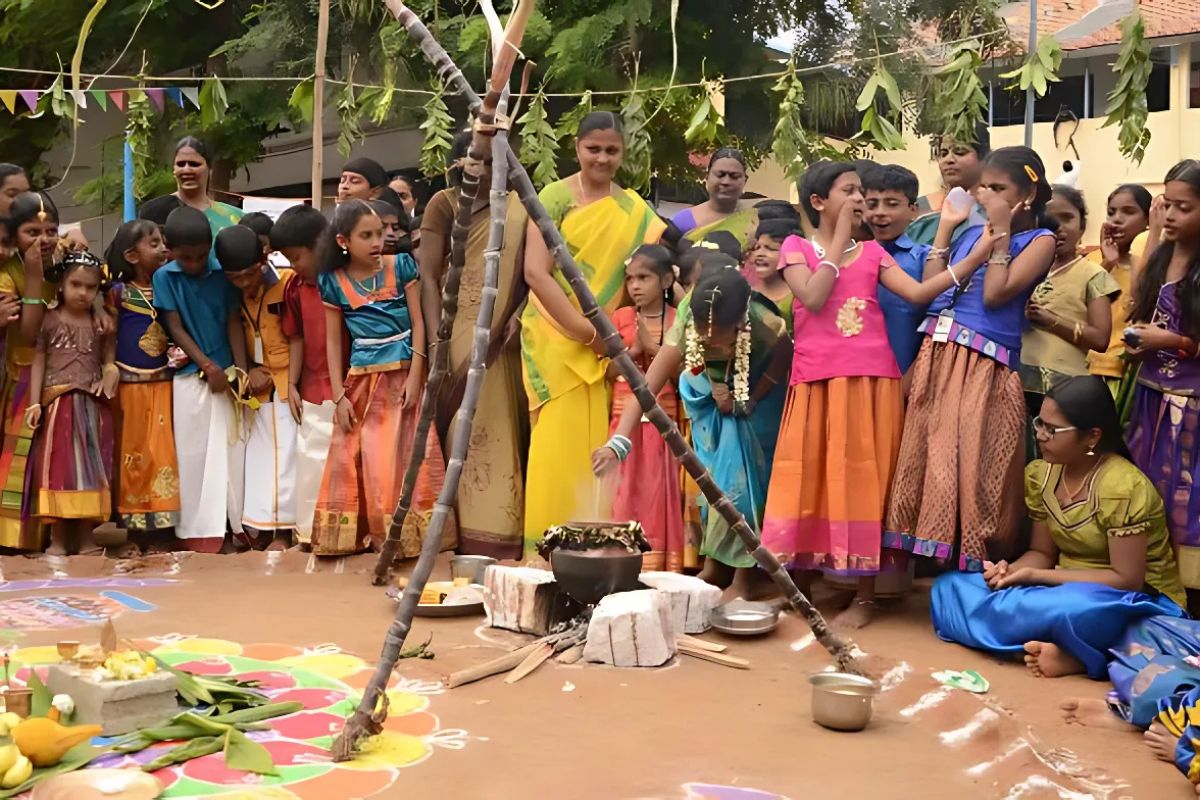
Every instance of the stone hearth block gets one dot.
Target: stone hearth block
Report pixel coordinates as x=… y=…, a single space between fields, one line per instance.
x=119 y=706
x=692 y=600
x=525 y=599
x=632 y=629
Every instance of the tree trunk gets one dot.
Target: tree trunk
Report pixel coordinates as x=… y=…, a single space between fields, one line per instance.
x=367 y=718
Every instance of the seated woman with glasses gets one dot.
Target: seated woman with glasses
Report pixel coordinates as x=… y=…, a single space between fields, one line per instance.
x=1100 y=559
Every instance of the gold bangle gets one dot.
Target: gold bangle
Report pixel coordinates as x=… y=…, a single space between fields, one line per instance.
x=340 y=398
x=592 y=340
x=418 y=354
x=1078 y=332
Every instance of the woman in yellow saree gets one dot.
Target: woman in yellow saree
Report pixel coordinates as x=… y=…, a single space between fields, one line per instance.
x=561 y=356
x=725 y=182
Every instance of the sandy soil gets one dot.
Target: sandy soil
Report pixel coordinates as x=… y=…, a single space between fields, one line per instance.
x=583 y=731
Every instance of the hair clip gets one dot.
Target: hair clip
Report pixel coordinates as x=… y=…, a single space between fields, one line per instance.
x=1033 y=176
x=707 y=245
x=41 y=215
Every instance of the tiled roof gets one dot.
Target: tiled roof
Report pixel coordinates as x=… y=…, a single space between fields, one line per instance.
x=1066 y=20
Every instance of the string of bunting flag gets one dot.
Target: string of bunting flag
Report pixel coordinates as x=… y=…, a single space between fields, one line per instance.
x=159 y=97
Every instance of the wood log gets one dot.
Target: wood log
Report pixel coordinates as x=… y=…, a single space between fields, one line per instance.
x=631 y=629
x=525 y=600
x=489 y=668
x=692 y=600
x=700 y=644
x=717 y=658
x=531 y=662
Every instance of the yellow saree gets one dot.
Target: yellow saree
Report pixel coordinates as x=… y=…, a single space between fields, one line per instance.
x=564 y=380
x=742 y=224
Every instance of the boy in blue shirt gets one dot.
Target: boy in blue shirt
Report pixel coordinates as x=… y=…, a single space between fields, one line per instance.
x=200 y=309
x=890 y=192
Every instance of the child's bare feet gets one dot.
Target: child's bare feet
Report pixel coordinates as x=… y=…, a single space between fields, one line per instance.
x=1160 y=741
x=858 y=615
x=1092 y=712
x=1048 y=660
x=279 y=543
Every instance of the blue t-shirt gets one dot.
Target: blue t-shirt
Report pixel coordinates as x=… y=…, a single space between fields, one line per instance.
x=1003 y=324
x=376 y=314
x=204 y=303
x=900 y=316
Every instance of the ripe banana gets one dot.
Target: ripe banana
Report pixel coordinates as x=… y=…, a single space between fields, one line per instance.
x=18 y=773
x=8 y=721
x=8 y=756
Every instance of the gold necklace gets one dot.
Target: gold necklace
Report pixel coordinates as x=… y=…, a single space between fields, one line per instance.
x=1071 y=495
x=583 y=191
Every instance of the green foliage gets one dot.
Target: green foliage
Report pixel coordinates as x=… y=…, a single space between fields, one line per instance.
x=213 y=102
x=1039 y=69
x=959 y=101
x=539 y=145
x=569 y=122
x=637 y=164
x=438 y=129
x=139 y=132
x=1127 y=101
x=349 y=116
x=301 y=100
x=876 y=128
x=707 y=124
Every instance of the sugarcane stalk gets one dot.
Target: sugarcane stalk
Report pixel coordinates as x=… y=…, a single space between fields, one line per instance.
x=491 y=122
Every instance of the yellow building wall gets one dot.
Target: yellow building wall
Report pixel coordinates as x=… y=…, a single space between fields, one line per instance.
x=1175 y=135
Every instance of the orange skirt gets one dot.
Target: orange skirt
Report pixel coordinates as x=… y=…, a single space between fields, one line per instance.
x=365 y=473
x=833 y=470
x=147 y=473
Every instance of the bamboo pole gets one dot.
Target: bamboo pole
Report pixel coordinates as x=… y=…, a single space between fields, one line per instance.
x=318 y=120
x=492 y=122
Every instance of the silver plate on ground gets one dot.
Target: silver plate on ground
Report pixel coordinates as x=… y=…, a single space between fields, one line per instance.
x=745 y=618
x=438 y=610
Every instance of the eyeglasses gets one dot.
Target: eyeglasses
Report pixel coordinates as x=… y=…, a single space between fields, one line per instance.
x=1046 y=430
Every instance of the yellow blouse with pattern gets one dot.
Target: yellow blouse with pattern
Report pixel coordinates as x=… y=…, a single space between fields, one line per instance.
x=1121 y=501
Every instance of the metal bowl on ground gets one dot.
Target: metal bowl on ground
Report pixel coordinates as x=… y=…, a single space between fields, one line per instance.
x=589 y=575
x=745 y=618
x=470 y=567
x=842 y=702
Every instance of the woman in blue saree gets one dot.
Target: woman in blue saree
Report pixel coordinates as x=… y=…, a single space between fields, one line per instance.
x=731 y=353
x=1100 y=558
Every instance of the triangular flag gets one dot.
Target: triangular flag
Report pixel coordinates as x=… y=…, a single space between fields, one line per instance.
x=80 y=98
x=118 y=97
x=9 y=98
x=192 y=93
x=175 y=95
x=30 y=96
x=100 y=97
x=156 y=97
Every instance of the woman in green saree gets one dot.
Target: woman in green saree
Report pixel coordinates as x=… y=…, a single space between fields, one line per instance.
x=725 y=182
x=191 y=165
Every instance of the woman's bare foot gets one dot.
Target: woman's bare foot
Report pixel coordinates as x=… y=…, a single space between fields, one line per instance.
x=716 y=573
x=1093 y=713
x=128 y=550
x=1047 y=660
x=858 y=615
x=1161 y=742
x=56 y=548
x=279 y=543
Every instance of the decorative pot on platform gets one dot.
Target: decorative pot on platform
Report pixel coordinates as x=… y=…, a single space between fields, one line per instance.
x=593 y=559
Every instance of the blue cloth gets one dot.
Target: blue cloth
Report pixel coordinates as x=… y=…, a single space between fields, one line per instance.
x=1084 y=619
x=685 y=220
x=203 y=303
x=376 y=313
x=1002 y=324
x=900 y=316
x=1179 y=714
x=1148 y=667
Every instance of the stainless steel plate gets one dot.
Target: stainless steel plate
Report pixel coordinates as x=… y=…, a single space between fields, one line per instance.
x=743 y=618
x=438 y=610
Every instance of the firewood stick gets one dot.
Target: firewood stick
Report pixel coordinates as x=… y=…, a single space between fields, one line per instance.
x=700 y=644
x=571 y=655
x=494 y=667
x=534 y=660
x=717 y=658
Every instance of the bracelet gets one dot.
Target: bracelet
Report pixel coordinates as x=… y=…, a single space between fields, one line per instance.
x=622 y=446
x=1187 y=348
x=33 y=405
x=339 y=398
x=953 y=277
x=419 y=354
x=939 y=252
x=32 y=301
x=837 y=273
x=1003 y=260
x=592 y=340
x=1078 y=332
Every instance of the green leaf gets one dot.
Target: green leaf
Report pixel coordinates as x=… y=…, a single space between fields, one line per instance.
x=866 y=98
x=1126 y=105
x=247 y=756
x=539 y=142
x=437 y=129
x=40 y=704
x=301 y=100
x=213 y=102
x=890 y=88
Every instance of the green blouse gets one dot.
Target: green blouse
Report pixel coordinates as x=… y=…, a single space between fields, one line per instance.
x=1121 y=501
x=766 y=329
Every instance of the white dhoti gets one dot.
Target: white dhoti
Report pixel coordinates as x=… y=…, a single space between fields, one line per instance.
x=312 y=449
x=271 y=469
x=211 y=466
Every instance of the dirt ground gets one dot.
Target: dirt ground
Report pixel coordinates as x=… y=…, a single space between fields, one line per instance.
x=585 y=731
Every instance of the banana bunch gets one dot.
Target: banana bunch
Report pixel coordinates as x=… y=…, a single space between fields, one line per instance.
x=8 y=721
x=15 y=768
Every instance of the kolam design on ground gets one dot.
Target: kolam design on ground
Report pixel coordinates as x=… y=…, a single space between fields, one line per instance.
x=328 y=683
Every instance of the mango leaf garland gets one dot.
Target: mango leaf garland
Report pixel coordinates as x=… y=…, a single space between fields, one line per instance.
x=539 y=145
x=960 y=103
x=568 y=123
x=793 y=147
x=140 y=125
x=301 y=100
x=1040 y=68
x=213 y=102
x=349 y=117
x=438 y=138
x=876 y=127
x=1127 y=101
x=707 y=123
x=635 y=166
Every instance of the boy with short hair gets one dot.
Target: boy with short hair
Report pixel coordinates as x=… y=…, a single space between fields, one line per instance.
x=269 y=511
x=310 y=394
x=261 y=224
x=890 y=193
x=200 y=310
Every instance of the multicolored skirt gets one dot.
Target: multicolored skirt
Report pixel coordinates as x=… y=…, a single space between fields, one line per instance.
x=959 y=474
x=147 y=471
x=833 y=470
x=69 y=472
x=16 y=531
x=1164 y=439
x=365 y=473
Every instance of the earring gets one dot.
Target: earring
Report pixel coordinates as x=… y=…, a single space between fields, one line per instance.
x=1091 y=451
x=345 y=252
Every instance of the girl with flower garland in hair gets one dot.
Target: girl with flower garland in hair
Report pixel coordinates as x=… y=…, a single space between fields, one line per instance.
x=730 y=352
x=958 y=479
x=1163 y=335
x=841 y=428
x=649 y=488
x=68 y=476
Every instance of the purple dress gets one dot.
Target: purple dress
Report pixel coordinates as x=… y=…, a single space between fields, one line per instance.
x=1164 y=436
